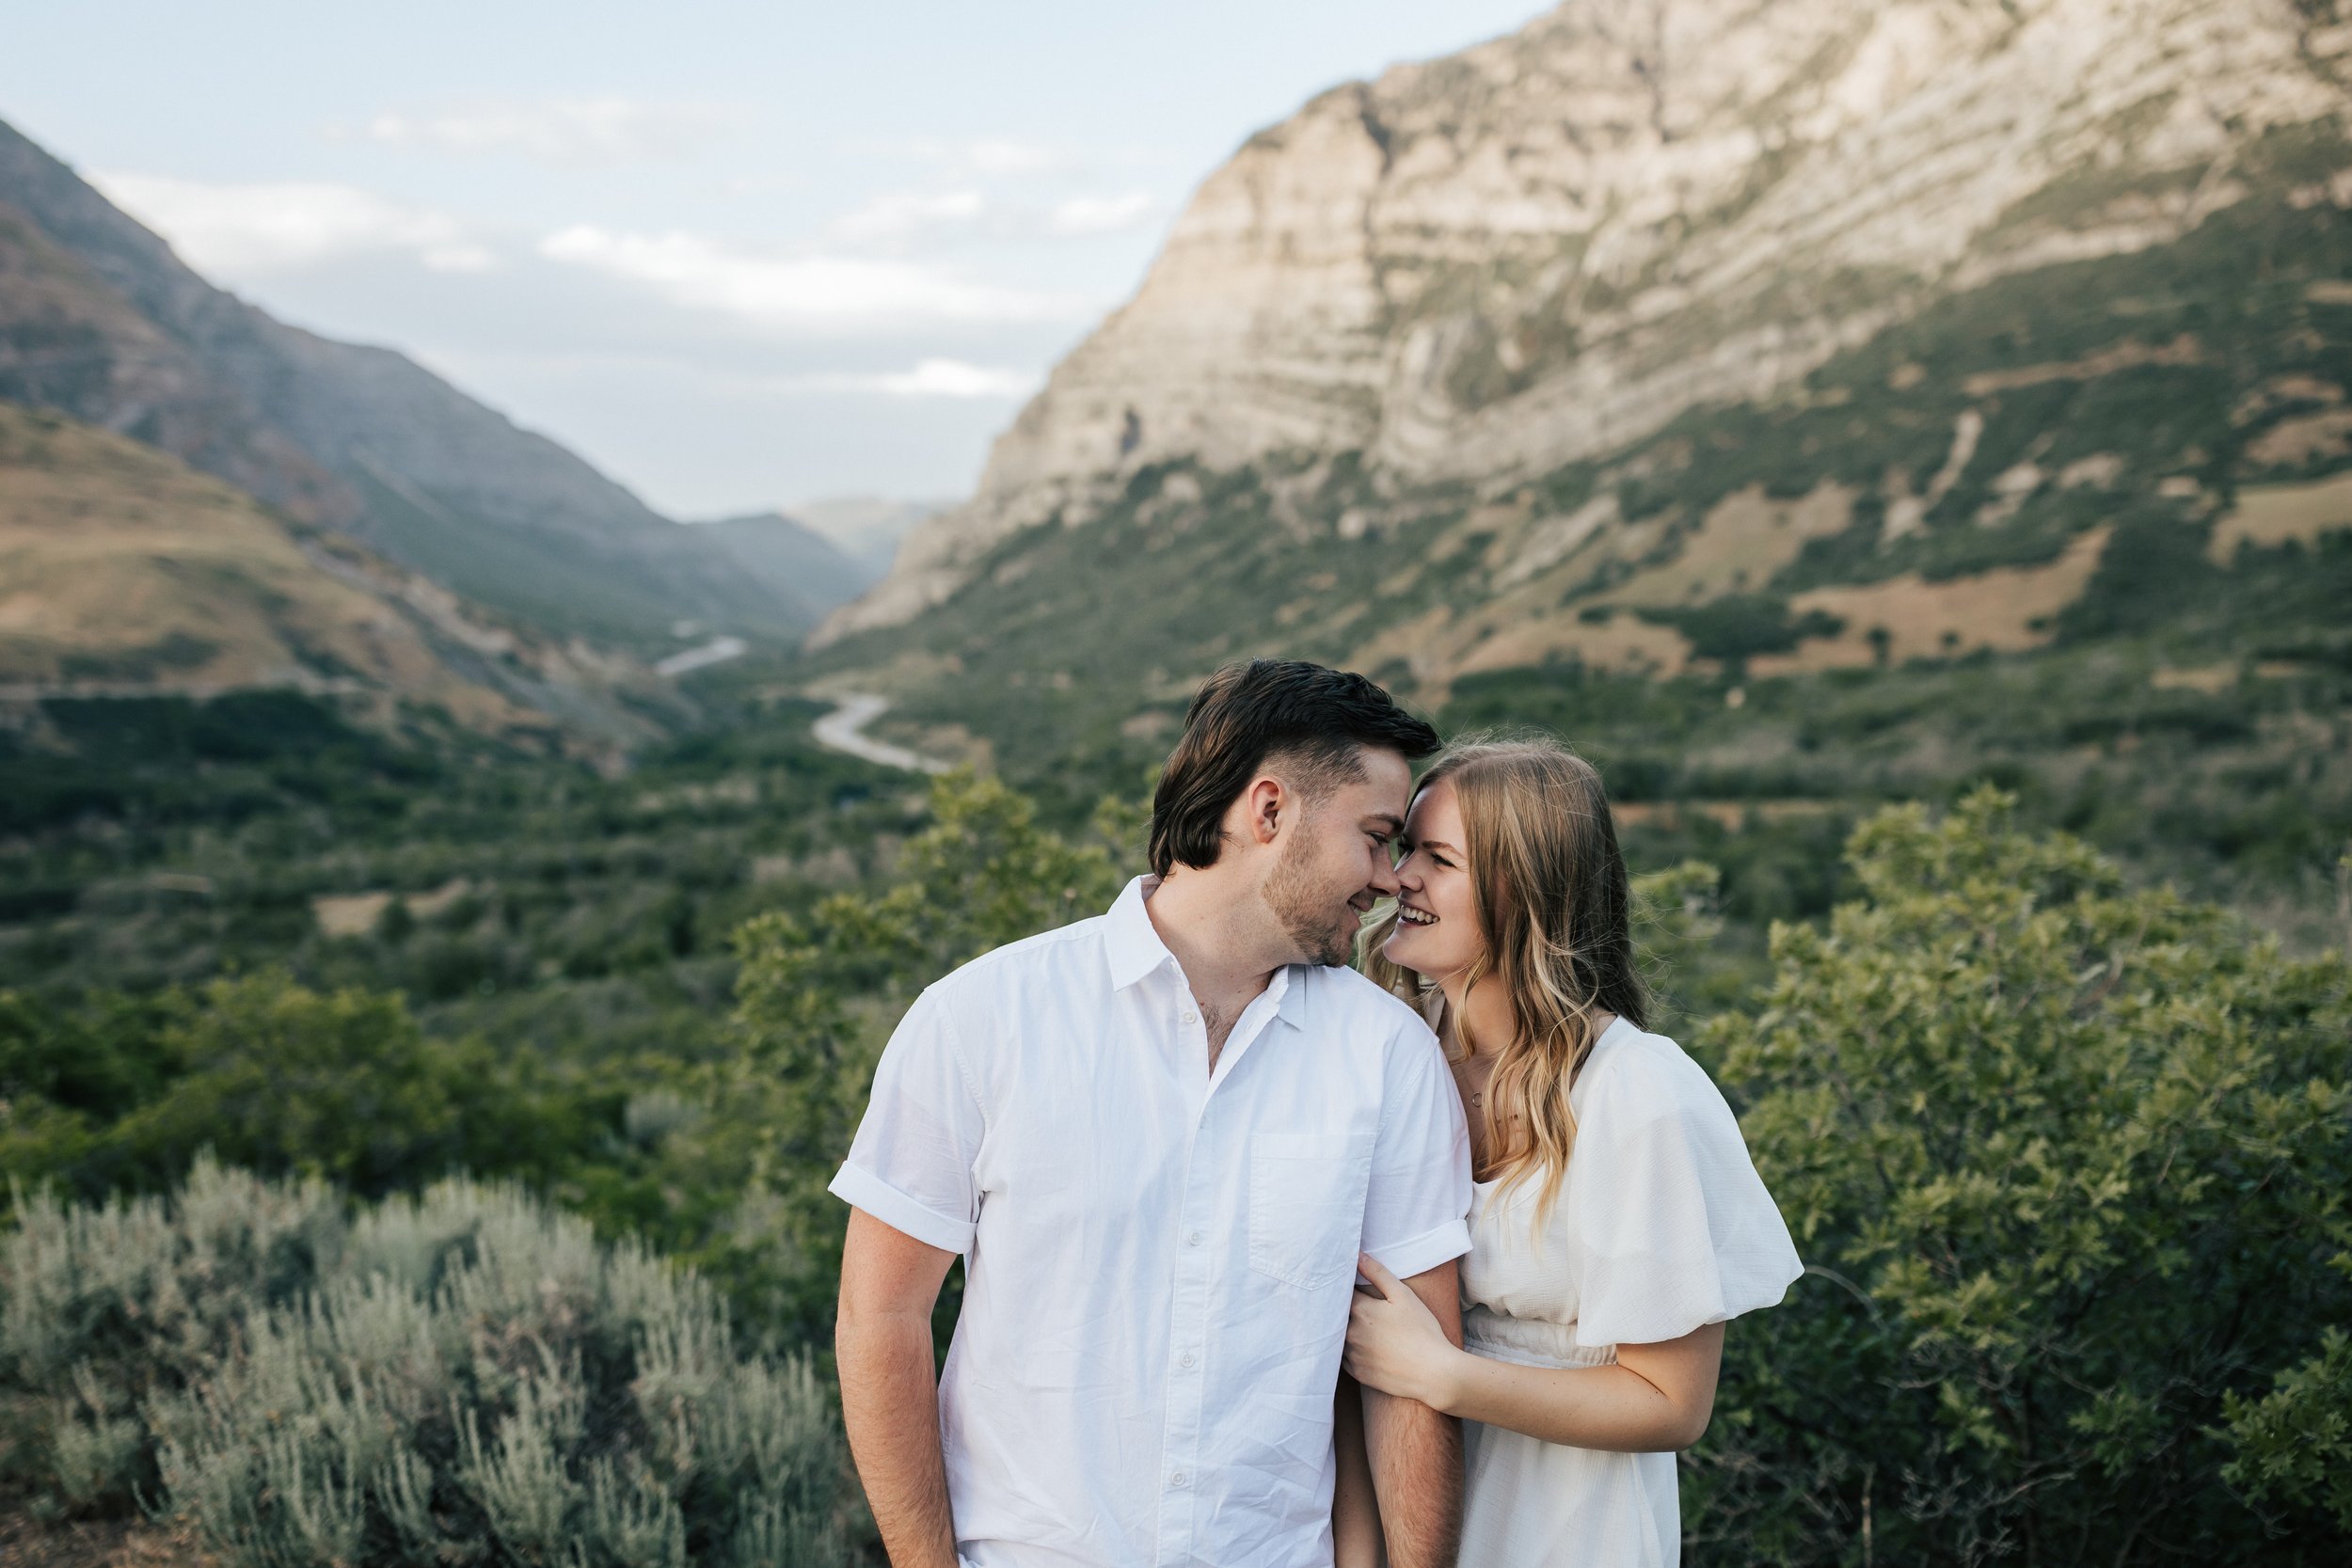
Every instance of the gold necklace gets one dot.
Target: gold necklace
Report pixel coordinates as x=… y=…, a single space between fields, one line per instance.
x=1477 y=1096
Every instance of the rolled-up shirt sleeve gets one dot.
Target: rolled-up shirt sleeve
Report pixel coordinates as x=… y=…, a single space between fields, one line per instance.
x=911 y=1163
x=1417 y=1212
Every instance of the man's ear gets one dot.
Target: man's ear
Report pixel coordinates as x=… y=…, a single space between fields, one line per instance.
x=1263 y=805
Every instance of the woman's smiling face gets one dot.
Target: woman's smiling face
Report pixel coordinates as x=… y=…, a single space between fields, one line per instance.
x=1437 y=929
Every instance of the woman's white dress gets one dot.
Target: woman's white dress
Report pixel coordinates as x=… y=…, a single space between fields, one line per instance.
x=1661 y=1227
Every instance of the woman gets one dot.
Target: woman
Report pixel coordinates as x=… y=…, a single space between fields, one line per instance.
x=1616 y=1222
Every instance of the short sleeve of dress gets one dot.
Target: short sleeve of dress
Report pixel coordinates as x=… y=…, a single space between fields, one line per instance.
x=1673 y=1227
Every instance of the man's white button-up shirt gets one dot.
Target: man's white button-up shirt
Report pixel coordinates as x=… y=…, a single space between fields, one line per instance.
x=1158 y=1259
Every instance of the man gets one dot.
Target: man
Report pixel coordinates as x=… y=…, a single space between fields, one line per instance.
x=1159 y=1138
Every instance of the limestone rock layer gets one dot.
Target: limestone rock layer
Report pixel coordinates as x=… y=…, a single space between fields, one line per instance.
x=1482 y=268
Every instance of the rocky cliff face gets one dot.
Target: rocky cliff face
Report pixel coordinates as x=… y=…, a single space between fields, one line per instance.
x=1543 y=250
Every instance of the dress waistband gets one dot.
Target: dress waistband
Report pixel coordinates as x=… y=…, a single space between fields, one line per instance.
x=1528 y=1341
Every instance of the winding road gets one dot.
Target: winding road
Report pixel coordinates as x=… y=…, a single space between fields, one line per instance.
x=842 y=729
x=717 y=651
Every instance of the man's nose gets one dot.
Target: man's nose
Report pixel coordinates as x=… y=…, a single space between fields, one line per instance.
x=1384 y=877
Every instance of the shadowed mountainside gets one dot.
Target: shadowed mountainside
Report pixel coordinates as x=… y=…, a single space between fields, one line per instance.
x=100 y=321
x=805 y=572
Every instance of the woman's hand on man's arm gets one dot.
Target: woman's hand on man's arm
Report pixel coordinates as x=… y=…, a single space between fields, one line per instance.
x=1656 y=1398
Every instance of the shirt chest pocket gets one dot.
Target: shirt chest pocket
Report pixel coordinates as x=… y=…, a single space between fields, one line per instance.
x=1307 y=1204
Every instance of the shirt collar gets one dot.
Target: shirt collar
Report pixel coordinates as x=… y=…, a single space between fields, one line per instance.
x=1133 y=947
x=1290 y=1004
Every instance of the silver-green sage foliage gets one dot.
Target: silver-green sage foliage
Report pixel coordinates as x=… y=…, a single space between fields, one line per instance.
x=459 y=1376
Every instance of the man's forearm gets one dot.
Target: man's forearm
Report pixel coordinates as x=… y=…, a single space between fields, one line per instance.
x=1417 y=1472
x=1355 y=1506
x=890 y=1406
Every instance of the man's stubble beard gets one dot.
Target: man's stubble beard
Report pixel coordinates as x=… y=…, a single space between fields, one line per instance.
x=1304 y=910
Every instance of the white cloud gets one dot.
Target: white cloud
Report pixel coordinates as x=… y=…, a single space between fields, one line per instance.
x=899 y=219
x=1006 y=155
x=1101 y=214
x=954 y=378
x=1017 y=157
x=806 y=292
x=586 y=132
x=994 y=156
x=242 y=230
x=901 y=214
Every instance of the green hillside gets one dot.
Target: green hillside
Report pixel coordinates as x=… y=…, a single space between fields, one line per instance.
x=2081 y=529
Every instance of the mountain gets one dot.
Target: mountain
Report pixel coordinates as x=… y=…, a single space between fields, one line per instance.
x=100 y=321
x=1703 y=335
x=71 y=343
x=124 y=572
x=867 y=527
x=806 y=572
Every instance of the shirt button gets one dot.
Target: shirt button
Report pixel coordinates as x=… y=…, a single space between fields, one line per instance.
x=1188 y=1018
x=1187 y=1359
x=1192 y=1238
x=1179 y=1478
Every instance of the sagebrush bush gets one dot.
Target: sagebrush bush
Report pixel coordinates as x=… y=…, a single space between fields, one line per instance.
x=465 y=1376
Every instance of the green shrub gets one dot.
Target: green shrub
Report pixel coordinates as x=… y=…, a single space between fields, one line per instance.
x=464 y=1376
x=2069 y=1165
x=120 y=1093
x=2295 y=1444
x=1739 y=625
x=2153 y=570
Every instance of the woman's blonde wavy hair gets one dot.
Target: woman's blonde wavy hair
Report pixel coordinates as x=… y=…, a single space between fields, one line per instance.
x=1554 y=913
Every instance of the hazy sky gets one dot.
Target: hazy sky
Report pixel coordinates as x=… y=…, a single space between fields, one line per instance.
x=736 y=254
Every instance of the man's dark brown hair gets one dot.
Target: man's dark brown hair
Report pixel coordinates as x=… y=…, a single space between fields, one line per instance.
x=1313 y=720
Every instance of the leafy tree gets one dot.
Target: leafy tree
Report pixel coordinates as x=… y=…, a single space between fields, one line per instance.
x=123 y=1093
x=2294 y=1445
x=2069 y=1164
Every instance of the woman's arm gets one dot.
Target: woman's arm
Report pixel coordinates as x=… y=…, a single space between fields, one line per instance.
x=1355 y=1509
x=1656 y=1398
